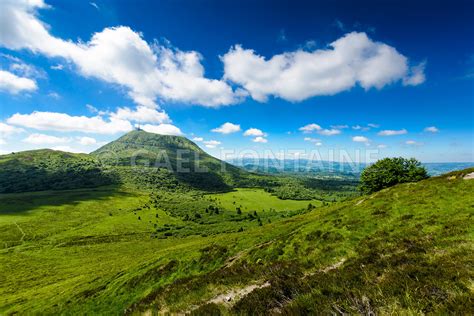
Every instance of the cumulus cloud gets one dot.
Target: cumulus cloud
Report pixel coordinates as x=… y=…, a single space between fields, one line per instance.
x=329 y=132
x=6 y=129
x=14 y=84
x=163 y=129
x=198 y=139
x=315 y=141
x=431 y=129
x=40 y=139
x=211 y=143
x=381 y=146
x=69 y=149
x=360 y=139
x=413 y=143
x=390 y=132
x=260 y=139
x=120 y=56
x=86 y=141
x=353 y=59
x=141 y=114
x=66 y=123
x=54 y=95
x=227 y=128
x=416 y=75
x=310 y=128
x=254 y=132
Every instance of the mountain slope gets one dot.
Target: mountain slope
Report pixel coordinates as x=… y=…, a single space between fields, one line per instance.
x=153 y=158
x=39 y=170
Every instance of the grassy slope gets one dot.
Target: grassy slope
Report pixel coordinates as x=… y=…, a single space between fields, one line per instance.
x=47 y=169
x=408 y=248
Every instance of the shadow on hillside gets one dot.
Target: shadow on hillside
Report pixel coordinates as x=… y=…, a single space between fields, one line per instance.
x=26 y=178
x=14 y=203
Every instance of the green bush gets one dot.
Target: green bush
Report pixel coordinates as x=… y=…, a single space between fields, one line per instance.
x=390 y=171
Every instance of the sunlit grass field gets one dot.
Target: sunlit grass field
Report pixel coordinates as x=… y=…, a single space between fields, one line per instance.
x=249 y=199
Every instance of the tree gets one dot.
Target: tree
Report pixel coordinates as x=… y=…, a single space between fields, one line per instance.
x=390 y=171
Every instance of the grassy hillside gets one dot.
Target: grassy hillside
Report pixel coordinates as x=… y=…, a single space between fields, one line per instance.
x=407 y=249
x=40 y=170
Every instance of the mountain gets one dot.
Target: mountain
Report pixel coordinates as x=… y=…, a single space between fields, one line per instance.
x=148 y=158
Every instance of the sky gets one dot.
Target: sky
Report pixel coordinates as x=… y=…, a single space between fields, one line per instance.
x=372 y=78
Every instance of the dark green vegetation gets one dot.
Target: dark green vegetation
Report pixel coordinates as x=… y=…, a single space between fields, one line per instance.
x=139 y=246
x=390 y=171
x=51 y=170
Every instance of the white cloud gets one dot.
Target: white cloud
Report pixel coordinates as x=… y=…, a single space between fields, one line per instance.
x=254 y=132
x=318 y=129
x=94 y=5
x=120 y=56
x=373 y=125
x=390 y=132
x=163 y=129
x=295 y=76
x=416 y=75
x=310 y=128
x=329 y=132
x=69 y=149
x=2 y=142
x=39 y=139
x=381 y=146
x=198 y=139
x=413 y=143
x=86 y=141
x=6 y=129
x=67 y=123
x=13 y=84
x=260 y=139
x=315 y=141
x=227 y=128
x=141 y=114
x=54 y=95
x=431 y=129
x=360 y=139
x=211 y=143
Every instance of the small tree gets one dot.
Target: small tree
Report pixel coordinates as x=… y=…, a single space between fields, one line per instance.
x=390 y=171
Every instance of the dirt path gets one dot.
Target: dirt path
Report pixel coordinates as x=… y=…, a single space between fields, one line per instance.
x=235 y=295
x=469 y=176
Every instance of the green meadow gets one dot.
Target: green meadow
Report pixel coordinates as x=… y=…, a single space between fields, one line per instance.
x=114 y=250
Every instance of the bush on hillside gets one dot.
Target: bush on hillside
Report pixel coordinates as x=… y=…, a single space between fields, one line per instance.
x=390 y=171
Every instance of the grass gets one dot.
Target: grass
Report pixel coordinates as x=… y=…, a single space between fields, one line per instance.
x=110 y=250
x=249 y=199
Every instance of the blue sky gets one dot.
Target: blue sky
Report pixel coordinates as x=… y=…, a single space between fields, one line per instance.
x=385 y=78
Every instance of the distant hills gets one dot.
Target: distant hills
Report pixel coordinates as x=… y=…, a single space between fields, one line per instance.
x=330 y=169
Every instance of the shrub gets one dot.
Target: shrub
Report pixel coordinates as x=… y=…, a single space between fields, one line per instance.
x=390 y=171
